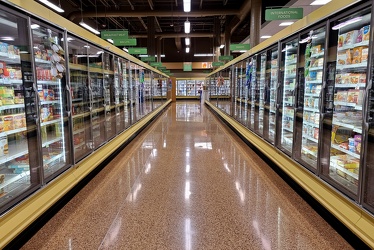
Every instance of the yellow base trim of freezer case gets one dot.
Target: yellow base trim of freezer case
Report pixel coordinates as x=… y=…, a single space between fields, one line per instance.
x=350 y=214
x=20 y=217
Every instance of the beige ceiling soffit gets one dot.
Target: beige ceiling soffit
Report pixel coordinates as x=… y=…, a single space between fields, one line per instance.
x=245 y=9
x=198 y=13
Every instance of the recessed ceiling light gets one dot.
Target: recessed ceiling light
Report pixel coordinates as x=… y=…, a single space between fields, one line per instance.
x=265 y=37
x=286 y=23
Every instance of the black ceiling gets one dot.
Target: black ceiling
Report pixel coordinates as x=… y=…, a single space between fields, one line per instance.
x=169 y=20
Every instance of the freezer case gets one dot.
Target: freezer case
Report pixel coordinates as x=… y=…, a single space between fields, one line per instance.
x=350 y=36
x=288 y=92
x=271 y=95
x=111 y=96
x=19 y=167
x=260 y=93
x=80 y=98
x=50 y=70
x=312 y=47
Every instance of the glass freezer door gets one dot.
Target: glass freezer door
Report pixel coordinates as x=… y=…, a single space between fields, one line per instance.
x=97 y=92
x=51 y=84
x=286 y=112
x=261 y=79
x=271 y=95
x=350 y=36
x=312 y=47
x=110 y=96
x=80 y=96
x=19 y=167
x=251 y=84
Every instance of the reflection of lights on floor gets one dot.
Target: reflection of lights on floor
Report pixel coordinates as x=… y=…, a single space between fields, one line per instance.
x=148 y=168
x=132 y=196
x=227 y=167
x=188 y=167
x=154 y=152
x=240 y=191
x=187 y=232
x=265 y=242
x=187 y=191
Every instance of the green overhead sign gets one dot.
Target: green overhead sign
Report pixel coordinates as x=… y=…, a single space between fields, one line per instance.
x=187 y=66
x=148 y=59
x=137 y=51
x=161 y=68
x=166 y=71
x=156 y=64
x=217 y=64
x=124 y=41
x=240 y=46
x=114 y=34
x=283 y=14
x=226 y=58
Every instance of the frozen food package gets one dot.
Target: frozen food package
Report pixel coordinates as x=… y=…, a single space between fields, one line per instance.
x=350 y=37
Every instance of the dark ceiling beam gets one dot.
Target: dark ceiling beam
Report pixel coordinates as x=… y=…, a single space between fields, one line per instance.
x=176 y=3
x=245 y=9
x=176 y=35
x=158 y=25
x=143 y=23
x=225 y=2
x=198 y=13
x=201 y=4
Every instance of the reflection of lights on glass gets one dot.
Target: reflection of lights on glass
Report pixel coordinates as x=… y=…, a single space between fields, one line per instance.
x=188 y=168
x=227 y=167
x=187 y=191
x=188 y=232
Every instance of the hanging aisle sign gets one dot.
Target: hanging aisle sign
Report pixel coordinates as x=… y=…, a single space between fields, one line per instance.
x=137 y=51
x=148 y=59
x=187 y=66
x=114 y=34
x=124 y=41
x=240 y=46
x=284 y=14
x=226 y=58
x=217 y=64
x=156 y=64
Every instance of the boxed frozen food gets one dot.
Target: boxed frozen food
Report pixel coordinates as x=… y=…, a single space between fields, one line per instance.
x=364 y=54
x=2 y=178
x=341 y=39
x=3 y=146
x=350 y=37
x=19 y=121
x=357 y=55
x=363 y=34
x=316 y=49
x=8 y=122
x=341 y=96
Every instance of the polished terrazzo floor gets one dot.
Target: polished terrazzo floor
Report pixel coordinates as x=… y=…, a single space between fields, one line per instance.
x=187 y=182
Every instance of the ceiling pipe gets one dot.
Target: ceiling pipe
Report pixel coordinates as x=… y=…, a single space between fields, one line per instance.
x=198 y=13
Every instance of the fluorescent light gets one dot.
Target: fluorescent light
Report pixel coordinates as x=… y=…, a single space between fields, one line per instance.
x=187 y=41
x=83 y=24
x=201 y=55
x=125 y=49
x=222 y=46
x=99 y=52
x=187 y=27
x=348 y=22
x=147 y=55
x=86 y=46
x=286 y=23
x=320 y=2
x=34 y=26
x=187 y=5
x=265 y=36
x=68 y=39
x=187 y=49
x=242 y=51
x=110 y=40
x=51 y=5
x=7 y=38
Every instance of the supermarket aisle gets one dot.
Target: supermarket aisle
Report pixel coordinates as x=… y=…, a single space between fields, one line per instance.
x=187 y=182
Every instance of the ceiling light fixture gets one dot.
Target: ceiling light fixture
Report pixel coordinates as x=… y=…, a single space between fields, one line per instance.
x=187 y=5
x=187 y=41
x=187 y=27
x=125 y=49
x=265 y=36
x=34 y=26
x=83 y=24
x=110 y=40
x=320 y=2
x=348 y=22
x=222 y=46
x=148 y=55
x=187 y=49
x=286 y=23
x=202 y=55
x=53 y=6
x=7 y=38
